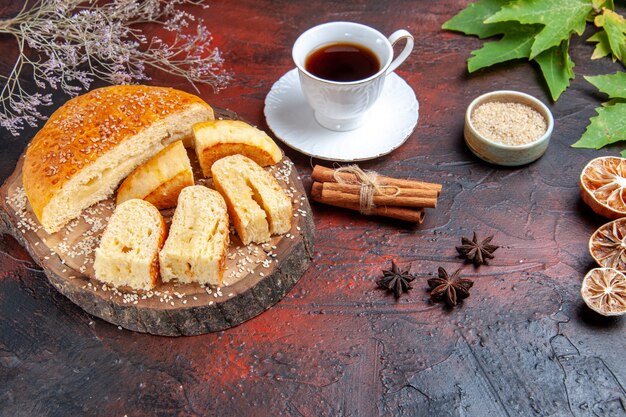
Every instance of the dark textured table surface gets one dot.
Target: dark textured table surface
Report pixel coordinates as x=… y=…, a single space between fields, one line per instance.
x=523 y=344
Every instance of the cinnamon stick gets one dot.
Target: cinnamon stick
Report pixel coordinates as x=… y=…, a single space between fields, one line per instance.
x=330 y=195
x=324 y=174
x=401 y=192
x=413 y=215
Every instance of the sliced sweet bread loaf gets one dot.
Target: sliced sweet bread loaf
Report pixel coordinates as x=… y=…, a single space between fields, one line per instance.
x=257 y=204
x=215 y=139
x=197 y=245
x=160 y=180
x=128 y=254
x=92 y=142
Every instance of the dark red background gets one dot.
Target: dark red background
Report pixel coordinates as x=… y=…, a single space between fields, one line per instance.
x=523 y=344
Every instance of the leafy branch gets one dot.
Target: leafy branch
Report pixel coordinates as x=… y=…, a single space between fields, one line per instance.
x=540 y=31
x=67 y=44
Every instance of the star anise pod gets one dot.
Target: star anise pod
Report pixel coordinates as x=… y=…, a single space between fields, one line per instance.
x=475 y=251
x=451 y=289
x=395 y=280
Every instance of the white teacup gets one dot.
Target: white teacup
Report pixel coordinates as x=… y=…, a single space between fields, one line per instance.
x=338 y=105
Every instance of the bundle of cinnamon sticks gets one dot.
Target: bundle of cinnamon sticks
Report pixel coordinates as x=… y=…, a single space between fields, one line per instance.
x=395 y=198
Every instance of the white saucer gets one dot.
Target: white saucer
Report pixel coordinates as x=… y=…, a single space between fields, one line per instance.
x=389 y=123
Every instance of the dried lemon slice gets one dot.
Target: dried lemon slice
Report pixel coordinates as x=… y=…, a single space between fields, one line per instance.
x=604 y=291
x=607 y=245
x=603 y=186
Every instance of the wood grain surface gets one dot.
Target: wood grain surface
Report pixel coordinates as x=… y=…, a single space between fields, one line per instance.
x=523 y=343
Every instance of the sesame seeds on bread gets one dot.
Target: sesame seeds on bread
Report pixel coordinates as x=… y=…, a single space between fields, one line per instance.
x=257 y=205
x=129 y=248
x=92 y=142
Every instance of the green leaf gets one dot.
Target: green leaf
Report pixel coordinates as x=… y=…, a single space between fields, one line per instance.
x=471 y=19
x=515 y=43
x=623 y=154
x=609 y=126
x=615 y=28
x=557 y=68
x=602 y=48
x=599 y=4
x=559 y=17
x=614 y=85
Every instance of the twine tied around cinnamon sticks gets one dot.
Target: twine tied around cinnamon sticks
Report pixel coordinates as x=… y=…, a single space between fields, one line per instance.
x=352 y=188
x=368 y=180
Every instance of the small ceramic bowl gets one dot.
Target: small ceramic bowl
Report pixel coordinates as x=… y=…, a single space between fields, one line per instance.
x=501 y=154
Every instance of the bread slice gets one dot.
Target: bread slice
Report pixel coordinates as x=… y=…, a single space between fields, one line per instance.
x=216 y=139
x=128 y=254
x=160 y=180
x=92 y=142
x=197 y=245
x=257 y=204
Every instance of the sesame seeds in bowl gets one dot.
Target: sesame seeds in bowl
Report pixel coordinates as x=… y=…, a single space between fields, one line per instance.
x=508 y=128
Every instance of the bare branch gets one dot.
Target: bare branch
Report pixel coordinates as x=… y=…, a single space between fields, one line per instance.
x=70 y=43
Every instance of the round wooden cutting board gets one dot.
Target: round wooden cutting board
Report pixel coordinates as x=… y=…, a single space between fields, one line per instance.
x=256 y=277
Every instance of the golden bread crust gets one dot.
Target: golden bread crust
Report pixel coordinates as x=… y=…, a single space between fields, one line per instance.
x=212 y=154
x=233 y=215
x=166 y=196
x=155 y=270
x=257 y=204
x=216 y=139
x=87 y=126
x=161 y=179
x=197 y=245
x=123 y=257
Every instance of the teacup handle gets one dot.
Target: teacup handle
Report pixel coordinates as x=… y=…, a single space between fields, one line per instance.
x=393 y=39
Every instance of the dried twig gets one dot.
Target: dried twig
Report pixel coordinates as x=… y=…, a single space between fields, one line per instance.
x=69 y=43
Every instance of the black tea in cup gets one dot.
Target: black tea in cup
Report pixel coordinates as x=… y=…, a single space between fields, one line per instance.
x=342 y=62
